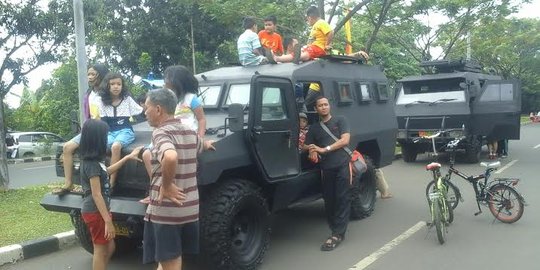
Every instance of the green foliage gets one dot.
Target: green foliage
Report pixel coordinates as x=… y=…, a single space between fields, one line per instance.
x=24 y=219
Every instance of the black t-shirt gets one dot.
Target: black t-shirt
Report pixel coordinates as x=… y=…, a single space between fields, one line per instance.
x=90 y=169
x=316 y=135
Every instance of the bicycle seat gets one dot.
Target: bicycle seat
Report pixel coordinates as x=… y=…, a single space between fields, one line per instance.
x=433 y=166
x=495 y=164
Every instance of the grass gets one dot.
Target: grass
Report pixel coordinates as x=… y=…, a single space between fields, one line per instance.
x=524 y=119
x=22 y=218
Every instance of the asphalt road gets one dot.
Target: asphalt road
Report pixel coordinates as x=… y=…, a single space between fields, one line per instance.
x=32 y=173
x=394 y=237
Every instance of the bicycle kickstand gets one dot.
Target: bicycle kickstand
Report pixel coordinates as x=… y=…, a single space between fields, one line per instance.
x=479 y=209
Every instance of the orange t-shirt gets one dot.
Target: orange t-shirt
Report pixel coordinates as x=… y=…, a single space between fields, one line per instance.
x=271 y=41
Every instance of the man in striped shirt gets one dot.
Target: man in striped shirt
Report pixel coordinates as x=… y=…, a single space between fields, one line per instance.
x=171 y=221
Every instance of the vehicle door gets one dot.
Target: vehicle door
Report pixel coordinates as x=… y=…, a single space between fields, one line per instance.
x=497 y=111
x=24 y=145
x=39 y=144
x=273 y=127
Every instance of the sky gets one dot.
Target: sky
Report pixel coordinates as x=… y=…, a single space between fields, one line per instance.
x=44 y=72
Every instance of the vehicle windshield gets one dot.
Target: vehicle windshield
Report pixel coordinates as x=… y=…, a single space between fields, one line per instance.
x=209 y=95
x=238 y=93
x=429 y=91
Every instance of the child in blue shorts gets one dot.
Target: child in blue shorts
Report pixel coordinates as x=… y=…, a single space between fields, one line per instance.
x=116 y=110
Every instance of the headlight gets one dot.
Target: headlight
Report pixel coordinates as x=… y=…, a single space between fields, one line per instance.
x=402 y=134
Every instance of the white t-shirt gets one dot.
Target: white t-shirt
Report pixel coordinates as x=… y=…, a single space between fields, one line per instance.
x=94 y=104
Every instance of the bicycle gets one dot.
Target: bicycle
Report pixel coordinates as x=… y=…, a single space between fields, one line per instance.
x=505 y=203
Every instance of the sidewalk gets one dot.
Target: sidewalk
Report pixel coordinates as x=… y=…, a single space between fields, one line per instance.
x=38 y=247
x=34 y=159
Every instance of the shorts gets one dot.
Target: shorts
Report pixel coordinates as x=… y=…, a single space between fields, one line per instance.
x=314 y=51
x=96 y=226
x=163 y=242
x=124 y=136
x=76 y=139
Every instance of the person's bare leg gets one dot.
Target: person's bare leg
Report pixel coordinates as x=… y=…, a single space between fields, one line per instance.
x=286 y=58
x=99 y=260
x=382 y=185
x=173 y=264
x=116 y=150
x=111 y=247
x=68 y=150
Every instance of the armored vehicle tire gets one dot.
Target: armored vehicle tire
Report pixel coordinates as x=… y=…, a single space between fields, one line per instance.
x=409 y=152
x=235 y=226
x=81 y=231
x=472 y=150
x=123 y=244
x=364 y=193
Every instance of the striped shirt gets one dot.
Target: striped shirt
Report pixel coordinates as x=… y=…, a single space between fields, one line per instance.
x=173 y=135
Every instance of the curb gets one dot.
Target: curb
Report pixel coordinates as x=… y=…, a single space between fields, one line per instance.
x=38 y=247
x=35 y=159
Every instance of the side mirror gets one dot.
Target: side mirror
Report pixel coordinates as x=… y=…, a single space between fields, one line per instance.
x=236 y=117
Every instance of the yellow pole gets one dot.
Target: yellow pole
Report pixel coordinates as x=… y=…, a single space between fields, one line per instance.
x=348 y=35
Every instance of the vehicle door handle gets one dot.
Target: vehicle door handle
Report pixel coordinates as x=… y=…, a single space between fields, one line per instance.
x=257 y=130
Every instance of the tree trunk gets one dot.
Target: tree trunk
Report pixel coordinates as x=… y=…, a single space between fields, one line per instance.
x=4 y=176
x=320 y=6
x=377 y=27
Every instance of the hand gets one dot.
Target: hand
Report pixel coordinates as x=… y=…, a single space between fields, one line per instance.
x=209 y=145
x=134 y=155
x=171 y=192
x=110 y=232
x=314 y=148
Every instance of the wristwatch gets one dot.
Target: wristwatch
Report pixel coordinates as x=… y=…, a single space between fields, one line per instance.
x=328 y=148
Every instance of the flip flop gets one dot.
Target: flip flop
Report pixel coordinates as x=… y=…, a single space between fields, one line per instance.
x=387 y=196
x=61 y=191
x=297 y=53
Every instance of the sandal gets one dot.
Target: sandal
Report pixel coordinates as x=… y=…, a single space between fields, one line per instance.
x=61 y=191
x=331 y=243
x=297 y=53
x=269 y=56
x=387 y=196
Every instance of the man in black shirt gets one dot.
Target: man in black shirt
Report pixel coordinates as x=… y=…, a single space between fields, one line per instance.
x=335 y=169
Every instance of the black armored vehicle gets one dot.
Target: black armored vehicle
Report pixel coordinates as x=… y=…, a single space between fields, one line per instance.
x=252 y=113
x=458 y=97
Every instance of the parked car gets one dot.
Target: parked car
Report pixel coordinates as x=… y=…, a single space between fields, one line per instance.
x=30 y=144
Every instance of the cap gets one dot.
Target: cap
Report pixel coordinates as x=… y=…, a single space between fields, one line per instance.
x=302 y=115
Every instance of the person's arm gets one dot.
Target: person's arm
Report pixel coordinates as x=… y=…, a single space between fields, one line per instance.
x=95 y=187
x=329 y=38
x=342 y=142
x=132 y=156
x=168 y=188
x=201 y=121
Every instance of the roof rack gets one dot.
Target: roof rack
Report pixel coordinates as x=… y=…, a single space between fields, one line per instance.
x=449 y=66
x=342 y=58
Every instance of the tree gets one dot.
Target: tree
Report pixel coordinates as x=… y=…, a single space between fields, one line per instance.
x=29 y=37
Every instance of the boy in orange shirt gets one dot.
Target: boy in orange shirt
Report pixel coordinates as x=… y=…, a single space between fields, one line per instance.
x=320 y=39
x=269 y=38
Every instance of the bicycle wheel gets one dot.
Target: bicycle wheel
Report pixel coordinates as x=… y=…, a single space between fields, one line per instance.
x=453 y=194
x=438 y=220
x=505 y=203
x=450 y=213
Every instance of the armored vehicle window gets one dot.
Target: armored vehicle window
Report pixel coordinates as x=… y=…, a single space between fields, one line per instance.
x=498 y=92
x=238 y=93
x=382 y=92
x=344 y=93
x=362 y=93
x=432 y=86
x=209 y=95
x=431 y=91
x=272 y=104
